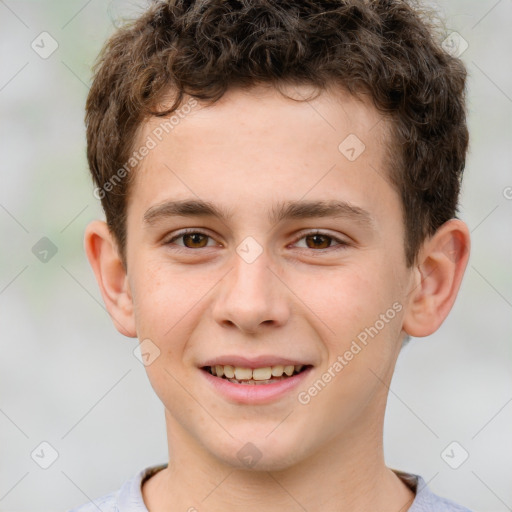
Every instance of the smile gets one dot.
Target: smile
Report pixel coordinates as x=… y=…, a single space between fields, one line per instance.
x=255 y=376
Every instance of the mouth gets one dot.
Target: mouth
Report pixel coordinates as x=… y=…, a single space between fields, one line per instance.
x=255 y=376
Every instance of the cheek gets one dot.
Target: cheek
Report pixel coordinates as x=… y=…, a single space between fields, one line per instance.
x=344 y=300
x=361 y=354
x=358 y=311
x=163 y=311
x=160 y=301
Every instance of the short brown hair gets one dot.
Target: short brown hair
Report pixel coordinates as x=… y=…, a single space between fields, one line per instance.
x=386 y=49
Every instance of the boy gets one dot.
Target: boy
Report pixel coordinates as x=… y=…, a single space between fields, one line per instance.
x=313 y=151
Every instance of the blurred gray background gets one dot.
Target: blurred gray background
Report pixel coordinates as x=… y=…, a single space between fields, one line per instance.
x=68 y=378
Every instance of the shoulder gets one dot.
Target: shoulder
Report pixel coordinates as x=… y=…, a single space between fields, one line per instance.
x=127 y=498
x=426 y=500
x=107 y=503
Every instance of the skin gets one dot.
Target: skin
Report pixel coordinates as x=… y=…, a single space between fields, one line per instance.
x=302 y=297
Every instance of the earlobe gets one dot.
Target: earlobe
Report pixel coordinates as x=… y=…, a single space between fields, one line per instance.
x=438 y=275
x=111 y=276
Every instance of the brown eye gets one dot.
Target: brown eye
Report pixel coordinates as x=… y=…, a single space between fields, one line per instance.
x=195 y=240
x=318 y=241
x=321 y=241
x=191 y=240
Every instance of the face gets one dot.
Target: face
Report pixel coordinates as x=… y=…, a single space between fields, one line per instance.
x=264 y=238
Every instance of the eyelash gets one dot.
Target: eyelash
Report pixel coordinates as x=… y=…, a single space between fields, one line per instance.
x=341 y=243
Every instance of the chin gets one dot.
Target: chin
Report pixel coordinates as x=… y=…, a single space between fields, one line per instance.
x=253 y=451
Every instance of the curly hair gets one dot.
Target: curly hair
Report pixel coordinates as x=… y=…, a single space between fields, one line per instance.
x=388 y=50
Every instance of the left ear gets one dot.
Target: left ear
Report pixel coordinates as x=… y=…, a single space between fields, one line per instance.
x=440 y=267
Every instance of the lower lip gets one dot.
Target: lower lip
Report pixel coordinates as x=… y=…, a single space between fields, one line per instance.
x=255 y=393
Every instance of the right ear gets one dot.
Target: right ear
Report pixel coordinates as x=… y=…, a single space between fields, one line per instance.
x=102 y=253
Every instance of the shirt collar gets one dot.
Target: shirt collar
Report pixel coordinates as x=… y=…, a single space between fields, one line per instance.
x=129 y=498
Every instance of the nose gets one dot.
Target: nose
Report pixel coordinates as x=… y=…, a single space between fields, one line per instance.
x=251 y=297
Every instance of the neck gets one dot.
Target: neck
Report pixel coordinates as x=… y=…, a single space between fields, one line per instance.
x=348 y=475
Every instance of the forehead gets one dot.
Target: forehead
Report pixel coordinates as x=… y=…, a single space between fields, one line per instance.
x=258 y=143
x=262 y=107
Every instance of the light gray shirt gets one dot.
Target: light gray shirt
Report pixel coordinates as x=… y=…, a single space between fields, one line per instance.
x=129 y=497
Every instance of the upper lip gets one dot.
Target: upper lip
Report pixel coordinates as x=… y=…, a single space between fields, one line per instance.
x=253 y=362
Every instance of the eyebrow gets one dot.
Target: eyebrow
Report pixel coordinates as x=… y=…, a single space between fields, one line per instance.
x=282 y=211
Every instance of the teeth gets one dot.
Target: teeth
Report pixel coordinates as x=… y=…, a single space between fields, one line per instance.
x=237 y=373
x=277 y=371
x=262 y=373
x=229 y=371
x=243 y=373
x=289 y=370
